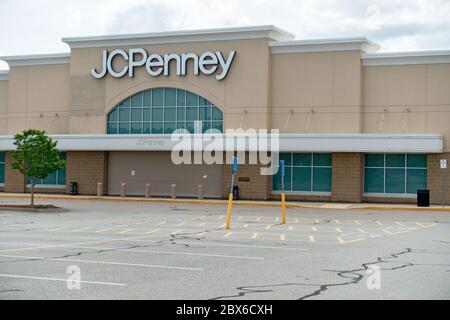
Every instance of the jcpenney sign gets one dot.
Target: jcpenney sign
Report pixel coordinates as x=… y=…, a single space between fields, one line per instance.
x=207 y=63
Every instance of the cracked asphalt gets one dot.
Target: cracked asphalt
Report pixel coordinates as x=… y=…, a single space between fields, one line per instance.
x=167 y=251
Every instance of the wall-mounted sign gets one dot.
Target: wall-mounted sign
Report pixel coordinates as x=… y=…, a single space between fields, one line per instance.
x=207 y=63
x=443 y=164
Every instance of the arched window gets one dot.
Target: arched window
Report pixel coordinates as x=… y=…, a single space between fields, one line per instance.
x=161 y=111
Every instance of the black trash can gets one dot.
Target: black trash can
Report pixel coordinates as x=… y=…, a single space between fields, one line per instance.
x=73 y=188
x=235 y=193
x=423 y=198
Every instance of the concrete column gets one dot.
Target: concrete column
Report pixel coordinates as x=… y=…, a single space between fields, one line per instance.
x=174 y=191
x=123 y=190
x=200 y=192
x=99 y=189
x=148 y=190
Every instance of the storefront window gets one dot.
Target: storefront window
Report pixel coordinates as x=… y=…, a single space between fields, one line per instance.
x=57 y=178
x=2 y=167
x=163 y=110
x=395 y=173
x=305 y=172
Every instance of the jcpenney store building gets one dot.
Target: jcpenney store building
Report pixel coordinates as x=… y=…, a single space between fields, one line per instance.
x=355 y=125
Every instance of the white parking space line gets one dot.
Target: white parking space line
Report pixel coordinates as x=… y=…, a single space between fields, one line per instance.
x=161 y=223
x=82 y=229
x=311 y=239
x=254 y=236
x=314 y=229
x=104 y=230
x=181 y=224
x=337 y=221
x=357 y=222
x=245 y=225
x=127 y=230
x=126 y=264
x=339 y=230
x=202 y=224
x=269 y=226
x=57 y=229
x=379 y=223
x=176 y=232
x=152 y=231
x=62 y=280
x=291 y=228
x=228 y=234
x=282 y=237
x=362 y=230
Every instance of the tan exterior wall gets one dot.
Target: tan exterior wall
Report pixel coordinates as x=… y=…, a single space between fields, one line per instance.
x=416 y=99
x=14 y=180
x=87 y=169
x=434 y=178
x=4 y=84
x=326 y=83
x=347 y=177
x=39 y=98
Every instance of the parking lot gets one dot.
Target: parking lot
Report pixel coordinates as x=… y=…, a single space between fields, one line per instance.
x=127 y=250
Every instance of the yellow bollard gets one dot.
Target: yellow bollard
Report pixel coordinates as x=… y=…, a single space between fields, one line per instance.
x=283 y=207
x=230 y=205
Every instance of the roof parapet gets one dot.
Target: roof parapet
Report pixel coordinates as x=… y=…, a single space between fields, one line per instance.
x=37 y=59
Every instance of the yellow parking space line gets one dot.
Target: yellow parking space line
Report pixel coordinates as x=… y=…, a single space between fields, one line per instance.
x=254 y=236
x=202 y=224
x=314 y=229
x=339 y=239
x=177 y=231
x=393 y=233
x=82 y=229
x=311 y=238
x=269 y=226
x=362 y=230
x=337 y=221
x=399 y=224
x=291 y=228
x=152 y=231
x=424 y=225
x=161 y=223
x=379 y=223
x=245 y=225
x=223 y=226
x=282 y=237
x=277 y=219
x=104 y=230
x=228 y=234
x=219 y=217
x=126 y=231
x=357 y=221
x=339 y=230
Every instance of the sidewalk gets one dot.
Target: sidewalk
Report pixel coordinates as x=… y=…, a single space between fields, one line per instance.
x=290 y=204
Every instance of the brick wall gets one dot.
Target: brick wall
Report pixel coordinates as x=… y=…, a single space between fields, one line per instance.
x=14 y=180
x=347 y=181
x=87 y=168
x=434 y=178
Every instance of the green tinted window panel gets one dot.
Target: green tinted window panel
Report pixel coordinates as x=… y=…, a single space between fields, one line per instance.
x=395 y=181
x=170 y=114
x=136 y=127
x=2 y=172
x=417 y=160
x=181 y=114
x=374 y=180
x=374 y=160
x=276 y=182
x=147 y=98
x=157 y=114
x=321 y=179
x=217 y=126
x=124 y=128
x=136 y=101
x=61 y=177
x=169 y=127
x=136 y=114
x=191 y=113
x=124 y=115
x=158 y=97
x=416 y=179
x=191 y=99
x=114 y=115
x=113 y=128
x=147 y=114
x=217 y=114
x=206 y=126
x=287 y=157
x=322 y=160
x=395 y=160
x=301 y=179
x=147 y=128
x=181 y=98
x=125 y=104
x=202 y=102
x=277 y=186
x=302 y=159
x=158 y=127
x=170 y=97
x=50 y=180
x=190 y=126
x=202 y=115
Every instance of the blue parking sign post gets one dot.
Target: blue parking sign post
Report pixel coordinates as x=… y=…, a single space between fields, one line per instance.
x=283 y=195
x=230 y=197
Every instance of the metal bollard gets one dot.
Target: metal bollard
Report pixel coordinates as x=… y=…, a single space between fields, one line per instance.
x=200 y=192
x=174 y=191
x=99 y=189
x=123 y=190
x=148 y=190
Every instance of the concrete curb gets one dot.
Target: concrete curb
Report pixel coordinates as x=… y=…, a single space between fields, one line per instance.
x=225 y=202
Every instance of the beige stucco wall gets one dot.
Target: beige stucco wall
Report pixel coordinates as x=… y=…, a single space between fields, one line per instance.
x=245 y=88
x=421 y=89
x=326 y=83
x=3 y=106
x=38 y=97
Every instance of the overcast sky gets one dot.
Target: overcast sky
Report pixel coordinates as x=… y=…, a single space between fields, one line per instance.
x=37 y=26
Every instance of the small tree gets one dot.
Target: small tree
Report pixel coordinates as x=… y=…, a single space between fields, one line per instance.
x=36 y=156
